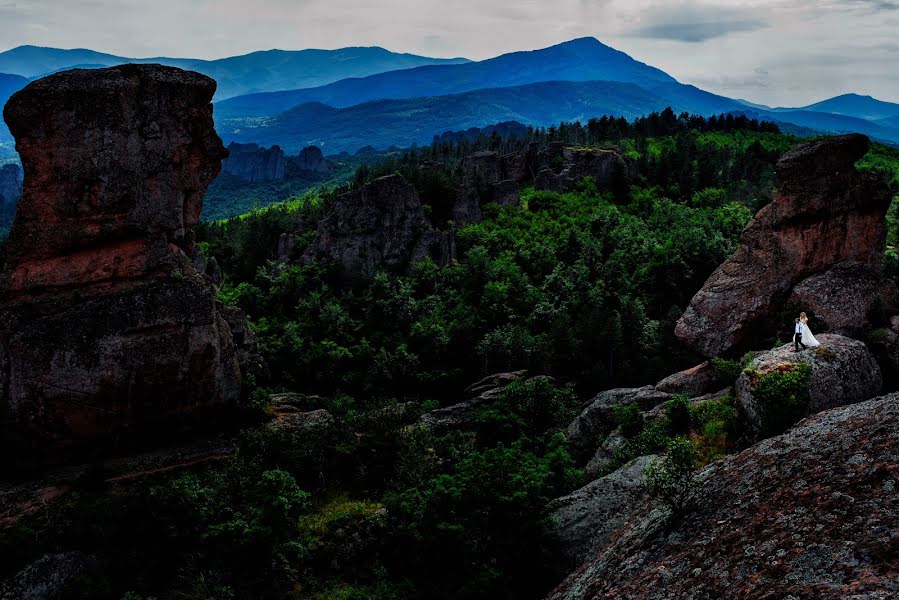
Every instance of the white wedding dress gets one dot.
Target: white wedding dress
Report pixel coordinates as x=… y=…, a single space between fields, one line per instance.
x=807 y=338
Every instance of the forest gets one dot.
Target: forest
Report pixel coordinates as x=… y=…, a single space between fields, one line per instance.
x=584 y=287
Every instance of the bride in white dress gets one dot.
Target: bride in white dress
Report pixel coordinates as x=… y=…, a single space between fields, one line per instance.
x=807 y=338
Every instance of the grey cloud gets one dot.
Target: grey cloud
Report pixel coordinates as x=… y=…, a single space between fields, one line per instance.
x=699 y=31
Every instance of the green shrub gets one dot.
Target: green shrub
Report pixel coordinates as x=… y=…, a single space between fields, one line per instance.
x=728 y=369
x=630 y=418
x=678 y=412
x=671 y=478
x=782 y=396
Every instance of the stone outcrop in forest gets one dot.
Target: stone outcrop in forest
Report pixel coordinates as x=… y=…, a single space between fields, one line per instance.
x=608 y=166
x=254 y=164
x=825 y=213
x=379 y=225
x=811 y=513
x=10 y=184
x=105 y=324
x=312 y=160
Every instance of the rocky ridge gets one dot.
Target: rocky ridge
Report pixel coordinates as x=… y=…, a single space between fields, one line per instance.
x=254 y=164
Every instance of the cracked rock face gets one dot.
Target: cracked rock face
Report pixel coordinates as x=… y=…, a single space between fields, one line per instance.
x=105 y=324
x=811 y=513
x=825 y=213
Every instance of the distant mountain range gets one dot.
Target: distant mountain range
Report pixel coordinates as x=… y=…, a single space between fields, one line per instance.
x=584 y=59
x=345 y=99
x=384 y=123
x=263 y=71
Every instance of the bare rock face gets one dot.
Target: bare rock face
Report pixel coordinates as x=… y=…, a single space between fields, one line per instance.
x=811 y=513
x=380 y=225
x=10 y=184
x=844 y=371
x=487 y=177
x=825 y=213
x=312 y=160
x=105 y=324
x=605 y=165
x=254 y=164
x=695 y=381
x=849 y=298
x=588 y=517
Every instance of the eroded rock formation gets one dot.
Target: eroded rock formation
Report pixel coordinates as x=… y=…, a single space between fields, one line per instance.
x=811 y=513
x=825 y=213
x=380 y=225
x=608 y=166
x=311 y=159
x=254 y=164
x=105 y=324
x=10 y=184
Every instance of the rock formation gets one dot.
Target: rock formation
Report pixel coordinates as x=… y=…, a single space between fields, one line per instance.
x=596 y=419
x=825 y=213
x=588 y=517
x=254 y=164
x=843 y=372
x=487 y=177
x=849 y=298
x=380 y=225
x=312 y=160
x=811 y=513
x=105 y=325
x=607 y=166
x=10 y=184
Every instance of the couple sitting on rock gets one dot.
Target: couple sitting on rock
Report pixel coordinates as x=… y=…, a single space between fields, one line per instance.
x=803 y=334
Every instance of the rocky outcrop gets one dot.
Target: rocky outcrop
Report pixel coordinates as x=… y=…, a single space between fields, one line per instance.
x=312 y=160
x=105 y=324
x=380 y=225
x=606 y=165
x=464 y=414
x=46 y=577
x=254 y=164
x=693 y=382
x=596 y=419
x=587 y=518
x=10 y=184
x=843 y=372
x=825 y=213
x=487 y=177
x=849 y=298
x=811 y=513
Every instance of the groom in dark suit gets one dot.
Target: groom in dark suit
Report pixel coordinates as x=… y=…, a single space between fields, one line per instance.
x=797 y=336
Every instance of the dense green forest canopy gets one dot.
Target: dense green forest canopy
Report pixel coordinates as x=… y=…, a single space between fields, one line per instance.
x=583 y=286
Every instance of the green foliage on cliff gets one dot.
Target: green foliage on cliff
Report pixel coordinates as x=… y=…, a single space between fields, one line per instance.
x=782 y=396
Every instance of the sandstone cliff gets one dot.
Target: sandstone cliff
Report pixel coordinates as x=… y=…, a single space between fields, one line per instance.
x=105 y=325
x=312 y=160
x=254 y=164
x=825 y=213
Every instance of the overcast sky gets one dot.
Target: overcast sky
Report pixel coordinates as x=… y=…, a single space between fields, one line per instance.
x=780 y=52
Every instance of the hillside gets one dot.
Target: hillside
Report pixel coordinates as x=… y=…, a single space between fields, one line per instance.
x=415 y=121
x=585 y=59
x=255 y=72
x=855 y=105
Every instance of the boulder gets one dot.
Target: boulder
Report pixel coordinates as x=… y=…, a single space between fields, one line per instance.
x=587 y=518
x=849 y=298
x=105 y=324
x=695 y=381
x=844 y=372
x=596 y=419
x=605 y=165
x=380 y=225
x=811 y=513
x=10 y=183
x=615 y=442
x=254 y=164
x=46 y=577
x=825 y=212
x=312 y=160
